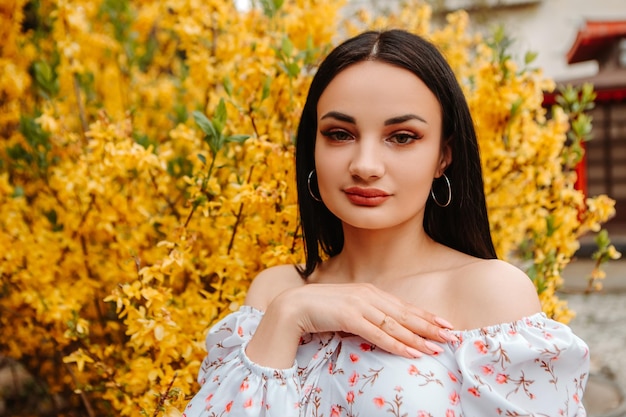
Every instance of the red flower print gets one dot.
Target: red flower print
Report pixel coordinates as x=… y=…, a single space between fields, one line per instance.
x=502 y=378
x=480 y=347
x=330 y=367
x=450 y=413
x=366 y=347
x=354 y=357
x=413 y=370
x=354 y=378
x=208 y=398
x=229 y=406
x=487 y=369
x=452 y=377
x=474 y=391
x=244 y=386
x=454 y=398
x=248 y=403
x=240 y=331
x=350 y=397
x=379 y=401
x=335 y=411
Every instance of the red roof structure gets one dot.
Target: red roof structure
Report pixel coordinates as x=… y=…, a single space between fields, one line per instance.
x=594 y=39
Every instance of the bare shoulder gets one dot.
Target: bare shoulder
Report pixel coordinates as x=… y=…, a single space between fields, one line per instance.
x=494 y=291
x=269 y=283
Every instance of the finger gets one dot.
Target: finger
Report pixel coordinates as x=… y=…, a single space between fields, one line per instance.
x=419 y=321
x=407 y=337
x=424 y=324
x=383 y=340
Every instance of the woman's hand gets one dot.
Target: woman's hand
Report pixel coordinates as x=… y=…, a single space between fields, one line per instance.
x=360 y=309
x=364 y=310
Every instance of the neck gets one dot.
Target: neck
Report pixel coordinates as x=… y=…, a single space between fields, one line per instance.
x=375 y=255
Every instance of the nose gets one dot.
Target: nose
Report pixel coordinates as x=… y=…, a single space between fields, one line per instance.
x=367 y=160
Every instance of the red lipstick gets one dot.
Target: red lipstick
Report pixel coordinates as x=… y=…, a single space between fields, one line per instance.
x=366 y=196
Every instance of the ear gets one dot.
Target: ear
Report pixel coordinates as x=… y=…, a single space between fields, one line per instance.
x=445 y=159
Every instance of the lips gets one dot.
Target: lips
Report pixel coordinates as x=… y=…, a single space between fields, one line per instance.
x=366 y=196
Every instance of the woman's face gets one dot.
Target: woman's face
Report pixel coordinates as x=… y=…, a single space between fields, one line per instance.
x=378 y=145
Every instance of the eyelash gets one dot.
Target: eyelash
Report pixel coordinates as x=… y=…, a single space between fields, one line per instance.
x=334 y=135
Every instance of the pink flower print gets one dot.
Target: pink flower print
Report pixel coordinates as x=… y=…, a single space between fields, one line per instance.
x=398 y=388
x=474 y=391
x=512 y=332
x=450 y=413
x=240 y=331
x=248 y=403
x=452 y=377
x=502 y=378
x=208 y=398
x=481 y=347
x=350 y=397
x=576 y=398
x=487 y=369
x=335 y=411
x=413 y=370
x=330 y=367
x=455 y=398
x=379 y=402
x=423 y=413
x=354 y=357
x=547 y=336
x=244 y=386
x=229 y=406
x=366 y=347
x=354 y=378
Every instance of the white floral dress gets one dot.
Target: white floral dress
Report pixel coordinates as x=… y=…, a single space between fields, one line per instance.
x=531 y=367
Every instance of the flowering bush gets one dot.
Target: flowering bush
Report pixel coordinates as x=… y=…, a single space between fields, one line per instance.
x=146 y=175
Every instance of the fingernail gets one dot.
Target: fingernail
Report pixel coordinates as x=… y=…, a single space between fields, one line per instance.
x=435 y=348
x=443 y=323
x=450 y=337
x=413 y=352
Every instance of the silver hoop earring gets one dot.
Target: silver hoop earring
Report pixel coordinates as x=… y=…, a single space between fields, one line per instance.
x=308 y=182
x=432 y=193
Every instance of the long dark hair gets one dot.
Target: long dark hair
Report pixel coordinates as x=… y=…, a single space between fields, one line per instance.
x=463 y=224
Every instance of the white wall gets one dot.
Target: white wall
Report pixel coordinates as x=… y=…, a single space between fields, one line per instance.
x=548 y=27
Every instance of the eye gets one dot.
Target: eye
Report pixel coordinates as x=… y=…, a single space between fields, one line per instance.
x=336 y=135
x=403 y=138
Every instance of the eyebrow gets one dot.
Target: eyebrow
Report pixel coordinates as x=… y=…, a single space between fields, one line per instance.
x=393 y=121
x=404 y=118
x=339 y=116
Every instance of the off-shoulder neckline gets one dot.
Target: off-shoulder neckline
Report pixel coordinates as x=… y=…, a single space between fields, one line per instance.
x=534 y=320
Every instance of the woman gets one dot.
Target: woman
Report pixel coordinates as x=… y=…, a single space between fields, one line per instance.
x=391 y=193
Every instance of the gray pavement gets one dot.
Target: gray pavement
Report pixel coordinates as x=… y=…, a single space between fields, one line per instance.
x=601 y=321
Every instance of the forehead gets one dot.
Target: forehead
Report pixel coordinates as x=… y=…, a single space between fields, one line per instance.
x=378 y=87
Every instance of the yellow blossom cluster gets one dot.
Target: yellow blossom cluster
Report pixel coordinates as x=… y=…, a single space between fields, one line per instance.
x=147 y=175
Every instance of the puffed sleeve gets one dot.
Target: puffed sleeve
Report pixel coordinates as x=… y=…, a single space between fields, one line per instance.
x=231 y=383
x=532 y=367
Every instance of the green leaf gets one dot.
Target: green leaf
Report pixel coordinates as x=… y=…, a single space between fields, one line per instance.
x=18 y=191
x=266 y=88
x=238 y=138
x=529 y=57
x=287 y=47
x=45 y=79
x=228 y=86
x=204 y=124
x=219 y=120
x=202 y=158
